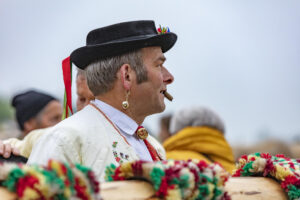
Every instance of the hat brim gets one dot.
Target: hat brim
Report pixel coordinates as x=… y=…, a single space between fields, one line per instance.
x=84 y=56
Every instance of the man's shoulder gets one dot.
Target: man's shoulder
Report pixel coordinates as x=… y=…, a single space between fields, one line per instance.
x=84 y=115
x=83 y=123
x=88 y=116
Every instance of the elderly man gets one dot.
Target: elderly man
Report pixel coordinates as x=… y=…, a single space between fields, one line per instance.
x=35 y=110
x=124 y=65
x=24 y=147
x=84 y=94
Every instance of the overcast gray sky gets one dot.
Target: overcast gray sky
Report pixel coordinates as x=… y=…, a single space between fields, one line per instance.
x=240 y=58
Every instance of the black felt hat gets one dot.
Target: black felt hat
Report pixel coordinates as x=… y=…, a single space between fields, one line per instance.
x=121 y=38
x=29 y=104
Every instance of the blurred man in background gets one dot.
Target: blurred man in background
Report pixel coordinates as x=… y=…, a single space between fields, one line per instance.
x=84 y=94
x=36 y=110
x=24 y=147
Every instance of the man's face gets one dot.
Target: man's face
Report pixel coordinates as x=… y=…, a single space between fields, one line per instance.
x=149 y=97
x=84 y=95
x=50 y=115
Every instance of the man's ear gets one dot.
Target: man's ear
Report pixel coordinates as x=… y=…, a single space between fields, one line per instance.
x=127 y=76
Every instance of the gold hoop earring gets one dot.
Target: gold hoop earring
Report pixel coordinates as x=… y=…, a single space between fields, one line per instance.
x=125 y=104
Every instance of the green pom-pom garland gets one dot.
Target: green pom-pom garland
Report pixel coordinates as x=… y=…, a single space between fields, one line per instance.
x=175 y=179
x=54 y=181
x=284 y=170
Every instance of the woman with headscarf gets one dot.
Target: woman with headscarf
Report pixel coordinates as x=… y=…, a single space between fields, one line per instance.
x=198 y=133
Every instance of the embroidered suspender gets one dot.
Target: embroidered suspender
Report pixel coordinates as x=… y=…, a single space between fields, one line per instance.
x=110 y=122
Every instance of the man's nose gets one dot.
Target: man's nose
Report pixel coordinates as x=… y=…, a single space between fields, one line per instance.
x=167 y=76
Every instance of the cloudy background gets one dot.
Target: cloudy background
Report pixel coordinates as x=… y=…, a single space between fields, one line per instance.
x=240 y=58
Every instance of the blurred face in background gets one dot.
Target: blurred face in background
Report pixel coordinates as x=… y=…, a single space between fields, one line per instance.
x=49 y=116
x=84 y=95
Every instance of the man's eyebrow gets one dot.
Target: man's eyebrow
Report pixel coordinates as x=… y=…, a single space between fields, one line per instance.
x=162 y=58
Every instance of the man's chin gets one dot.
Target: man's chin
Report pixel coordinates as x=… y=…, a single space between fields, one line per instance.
x=159 y=109
x=162 y=107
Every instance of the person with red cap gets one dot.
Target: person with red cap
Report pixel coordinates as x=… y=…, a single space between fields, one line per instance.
x=124 y=68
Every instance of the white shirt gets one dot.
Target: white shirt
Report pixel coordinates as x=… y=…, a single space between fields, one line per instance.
x=127 y=128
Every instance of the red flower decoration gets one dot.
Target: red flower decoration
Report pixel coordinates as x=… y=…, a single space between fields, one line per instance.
x=163 y=189
x=288 y=180
x=117 y=176
x=265 y=155
x=202 y=165
x=269 y=167
x=238 y=172
x=25 y=182
x=244 y=157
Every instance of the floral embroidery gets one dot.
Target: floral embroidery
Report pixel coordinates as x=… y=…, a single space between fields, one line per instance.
x=118 y=158
x=114 y=145
x=115 y=153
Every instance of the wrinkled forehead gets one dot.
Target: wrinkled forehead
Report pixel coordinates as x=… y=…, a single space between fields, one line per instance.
x=53 y=105
x=153 y=53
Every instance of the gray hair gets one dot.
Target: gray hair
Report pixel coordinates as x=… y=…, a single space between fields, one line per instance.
x=196 y=116
x=102 y=74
